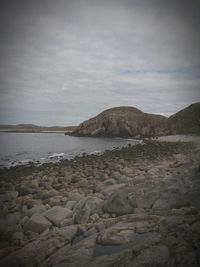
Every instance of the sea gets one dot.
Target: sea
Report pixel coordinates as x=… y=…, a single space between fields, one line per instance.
x=37 y=148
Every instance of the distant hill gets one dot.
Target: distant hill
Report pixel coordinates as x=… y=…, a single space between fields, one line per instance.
x=186 y=121
x=35 y=128
x=132 y=122
x=121 y=122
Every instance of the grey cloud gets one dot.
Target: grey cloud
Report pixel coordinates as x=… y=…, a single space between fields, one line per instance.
x=65 y=61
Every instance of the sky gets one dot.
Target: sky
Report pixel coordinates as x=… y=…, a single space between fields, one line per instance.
x=64 y=61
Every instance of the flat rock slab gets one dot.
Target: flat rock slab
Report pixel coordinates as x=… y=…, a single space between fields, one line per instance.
x=57 y=214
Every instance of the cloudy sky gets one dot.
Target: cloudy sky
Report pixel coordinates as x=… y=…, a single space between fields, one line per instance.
x=64 y=61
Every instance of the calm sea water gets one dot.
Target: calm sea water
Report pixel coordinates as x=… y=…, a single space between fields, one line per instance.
x=22 y=148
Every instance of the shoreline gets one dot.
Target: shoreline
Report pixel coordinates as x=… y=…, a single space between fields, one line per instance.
x=170 y=138
x=90 y=156
x=62 y=153
x=16 y=131
x=142 y=198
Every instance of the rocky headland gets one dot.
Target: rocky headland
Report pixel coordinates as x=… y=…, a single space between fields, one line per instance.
x=132 y=122
x=138 y=206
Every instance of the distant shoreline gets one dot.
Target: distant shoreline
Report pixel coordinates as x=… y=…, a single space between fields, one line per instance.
x=32 y=131
x=31 y=128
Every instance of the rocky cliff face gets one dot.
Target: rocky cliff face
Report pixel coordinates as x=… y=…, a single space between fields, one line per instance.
x=186 y=121
x=122 y=122
x=132 y=122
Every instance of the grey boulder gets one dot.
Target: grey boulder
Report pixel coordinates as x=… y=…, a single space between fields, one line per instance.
x=57 y=214
x=37 y=223
x=117 y=203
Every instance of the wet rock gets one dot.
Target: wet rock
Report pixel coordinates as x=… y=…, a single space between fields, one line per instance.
x=37 y=223
x=57 y=214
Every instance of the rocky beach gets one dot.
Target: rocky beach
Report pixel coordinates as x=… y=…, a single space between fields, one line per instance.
x=135 y=206
x=99 y=133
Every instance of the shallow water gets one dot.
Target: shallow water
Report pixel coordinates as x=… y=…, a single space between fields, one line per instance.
x=22 y=148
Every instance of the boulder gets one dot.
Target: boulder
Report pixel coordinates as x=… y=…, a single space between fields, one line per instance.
x=122 y=258
x=70 y=204
x=67 y=221
x=37 y=251
x=127 y=171
x=8 y=196
x=124 y=254
x=74 y=195
x=79 y=254
x=109 y=182
x=36 y=209
x=9 y=225
x=115 y=236
x=86 y=207
x=109 y=189
x=37 y=223
x=18 y=236
x=153 y=256
x=117 y=203
x=57 y=214
x=124 y=233
x=171 y=201
x=24 y=190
